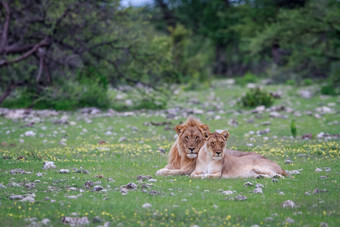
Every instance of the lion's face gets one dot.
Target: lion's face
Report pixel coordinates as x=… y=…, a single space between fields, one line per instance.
x=191 y=139
x=216 y=144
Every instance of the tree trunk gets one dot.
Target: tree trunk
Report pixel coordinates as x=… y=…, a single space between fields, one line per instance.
x=220 y=64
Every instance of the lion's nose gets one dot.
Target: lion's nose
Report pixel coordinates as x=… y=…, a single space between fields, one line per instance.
x=218 y=153
x=191 y=149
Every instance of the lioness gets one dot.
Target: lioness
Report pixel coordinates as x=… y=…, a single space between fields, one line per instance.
x=183 y=154
x=214 y=162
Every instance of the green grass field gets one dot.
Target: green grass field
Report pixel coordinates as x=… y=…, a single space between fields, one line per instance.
x=132 y=149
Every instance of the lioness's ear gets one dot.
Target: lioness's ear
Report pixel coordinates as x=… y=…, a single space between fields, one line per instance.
x=225 y=134
x=206 y=134
x=205 y=128
x=178 y=129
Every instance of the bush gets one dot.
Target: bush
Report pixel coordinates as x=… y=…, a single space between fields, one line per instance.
x=257 y=97
x=246 y=79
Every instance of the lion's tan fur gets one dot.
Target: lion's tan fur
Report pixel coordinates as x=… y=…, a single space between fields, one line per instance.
x=178 y=162
x=214 y=161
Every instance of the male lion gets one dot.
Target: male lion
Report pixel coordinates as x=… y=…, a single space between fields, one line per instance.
x=183 y=154
x=214 y=162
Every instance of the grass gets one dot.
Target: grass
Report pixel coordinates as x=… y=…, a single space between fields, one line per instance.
x=194 y=201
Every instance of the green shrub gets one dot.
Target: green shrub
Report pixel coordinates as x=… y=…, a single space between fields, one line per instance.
x=307 y=82
x=328 y=89
x=257 y=97
x=246 y=79
x=290 y=82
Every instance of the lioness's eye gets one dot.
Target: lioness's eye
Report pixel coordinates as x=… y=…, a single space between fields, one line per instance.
x=212 y=143
x=197 y=137
x=222 y=144
x=186 y=138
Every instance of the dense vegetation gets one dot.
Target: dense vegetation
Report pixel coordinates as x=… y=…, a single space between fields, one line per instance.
x=68 y=54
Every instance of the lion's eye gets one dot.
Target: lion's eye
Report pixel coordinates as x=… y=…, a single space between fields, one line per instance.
x=222 y=144
x=186 y=138
x=212 y=143
x=197 y=137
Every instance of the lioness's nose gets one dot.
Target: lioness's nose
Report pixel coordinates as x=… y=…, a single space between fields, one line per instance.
x=218 y=153
x=191 y=149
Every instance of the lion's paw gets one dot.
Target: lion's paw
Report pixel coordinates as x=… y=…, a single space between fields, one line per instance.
x=162 y=172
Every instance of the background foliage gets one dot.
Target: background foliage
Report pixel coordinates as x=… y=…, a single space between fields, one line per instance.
x=70 y=54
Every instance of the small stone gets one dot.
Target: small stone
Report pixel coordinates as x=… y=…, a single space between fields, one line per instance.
x=289 y=204
x=88 y=184
x=281 y=193
x=227 y=192
x=121 y=139
x=72 y=197
x=153 y=192
x=297 y=213
x=46 y=221
x=64 y=171
x=247 y=184
x=258 y=191
x=98 y=188
x=268 y=219
x=255 y=225
x=318 y=170
x=30 y=133
x=323 y=224
x=275 y=180
x=39 y=174
x=16 y=197
x=130 y=186
x=289 y=221
x=240 y=197
x=327 y=169
x=13 y=184
x=307 y=193
x=29 y=199
x=49 y=165
x=258 y=185
x=152 y=180
x=97 y=219
x=323 y=177
x=316 y=190
x=288 y=161
x=147 y=205
x=30 y=185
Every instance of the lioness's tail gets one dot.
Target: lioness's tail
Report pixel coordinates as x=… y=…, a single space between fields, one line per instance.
x=283 y=172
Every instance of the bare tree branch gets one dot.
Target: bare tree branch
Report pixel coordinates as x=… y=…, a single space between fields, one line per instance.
x=9 y=90
x=3 y=41
x=44 y=42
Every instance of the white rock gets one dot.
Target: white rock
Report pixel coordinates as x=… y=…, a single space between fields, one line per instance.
x=258 y=191
x=16 y=197
x=64 y=171
x=318 y=170
x=28 y=199
x=39 y=174
x=228 y=192
x=147 y=205
x=30 y=133
x=108 y=133
x=49 y=165
x=289 y=221
x=45 y=221
x=289 y=204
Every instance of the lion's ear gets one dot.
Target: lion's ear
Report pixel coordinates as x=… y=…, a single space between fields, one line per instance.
x=225 y=134
x=205 y=128
x=179 y=128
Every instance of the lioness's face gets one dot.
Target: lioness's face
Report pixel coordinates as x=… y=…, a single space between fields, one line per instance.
x=192 y=139
x=216 y=144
